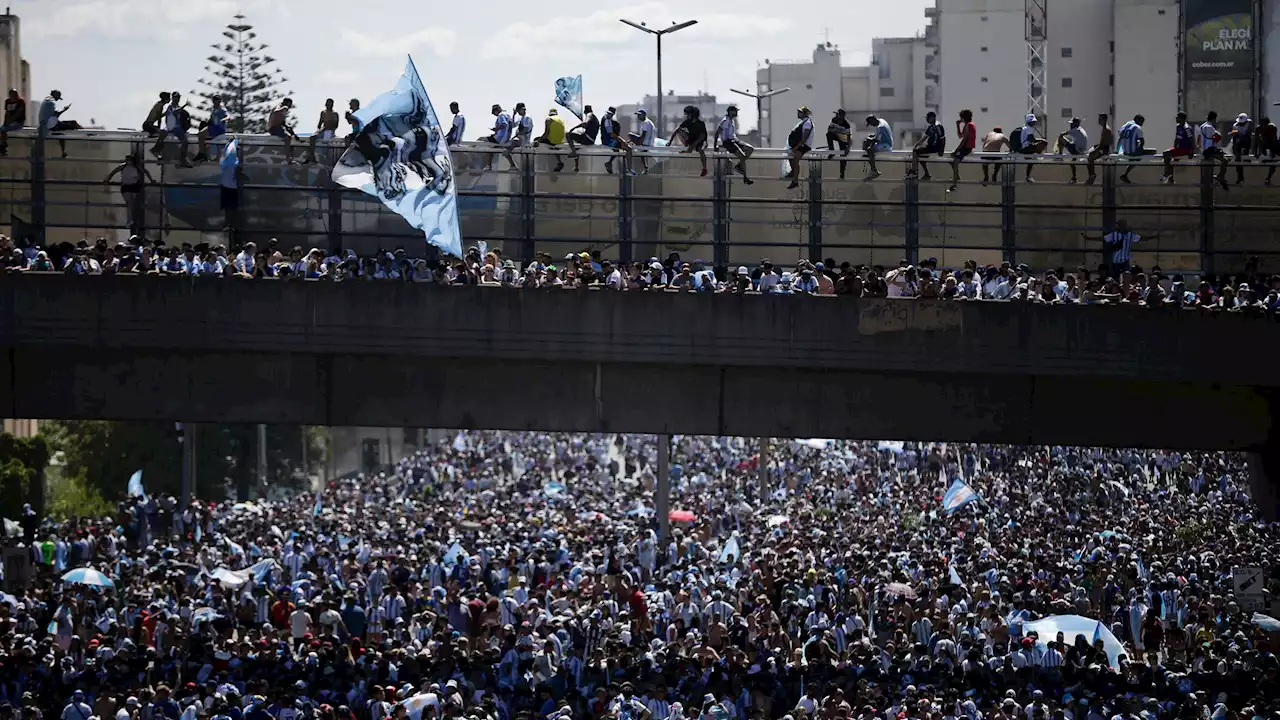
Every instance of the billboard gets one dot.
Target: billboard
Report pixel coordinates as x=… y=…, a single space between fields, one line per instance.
x=1219 y=39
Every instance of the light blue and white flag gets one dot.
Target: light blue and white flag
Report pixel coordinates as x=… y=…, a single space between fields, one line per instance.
x=569 y=94
x=952 y=576
x=230 y=160
x=957 y=496
x=401 y=158
x=135 y=486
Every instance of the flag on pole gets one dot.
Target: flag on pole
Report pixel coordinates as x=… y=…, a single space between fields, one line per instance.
x=315 y=509
x=135 y=486
x=957 y=496
x=230 y=161
x=953 y=576
x=569 y=94
x=401 y=158
x=1097 y=632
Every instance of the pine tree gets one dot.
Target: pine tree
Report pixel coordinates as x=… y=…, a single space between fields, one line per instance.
x=244 y=76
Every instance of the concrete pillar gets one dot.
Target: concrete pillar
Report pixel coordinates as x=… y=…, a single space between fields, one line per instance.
x=262 y=459
x=763 y=470
x=662 y=494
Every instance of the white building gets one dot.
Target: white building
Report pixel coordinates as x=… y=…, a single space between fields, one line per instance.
x=1118 y=57
x=899 y=85
x=673 y=106
x=14 y=71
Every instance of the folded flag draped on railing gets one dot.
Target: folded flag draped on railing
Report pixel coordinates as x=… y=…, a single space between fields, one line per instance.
x=400 y=157
x=569 y=94
x=957 y=496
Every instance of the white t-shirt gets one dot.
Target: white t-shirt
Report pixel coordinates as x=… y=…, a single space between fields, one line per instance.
x=614 y=280
x=459 y=126
x=1207 y=133
x=299 y=623
x=1078 y=137
x=647 y=131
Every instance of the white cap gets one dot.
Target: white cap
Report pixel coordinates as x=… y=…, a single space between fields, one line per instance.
x=1242 y=118
x=742 y=270
x=1031 y=118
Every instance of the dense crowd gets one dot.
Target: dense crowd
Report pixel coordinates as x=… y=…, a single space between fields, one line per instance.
x=518 y=576
x=1116 y=282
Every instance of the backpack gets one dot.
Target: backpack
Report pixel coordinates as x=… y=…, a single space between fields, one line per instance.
x=796 y=134
x=1015 y=140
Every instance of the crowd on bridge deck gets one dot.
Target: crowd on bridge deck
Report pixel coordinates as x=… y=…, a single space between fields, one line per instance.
x=1116 y=283
x=1217 y=142
x=519 y=576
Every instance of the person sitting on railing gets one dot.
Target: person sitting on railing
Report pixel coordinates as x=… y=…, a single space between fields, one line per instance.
x=278 y=126
x=1266 y=146
x=326 y=129
x=879 y=141
x=213 y=128
x=994 y=142
x=1242 y=140
x=692 y=133
x=553 y=134
x=1027 y=142
x=501 y=136
x=51 y=119
x=727 y=137
x=1132 y=145
x=1184 y=146
x=645 y=136
x=838 y=133
x=932 y=142
x=15 y=117
x=799 y=143
x=1106 y=140
x=1074 y=142
x=1211 y=147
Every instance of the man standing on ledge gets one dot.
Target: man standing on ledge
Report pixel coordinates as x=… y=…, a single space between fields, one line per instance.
x=326 y=129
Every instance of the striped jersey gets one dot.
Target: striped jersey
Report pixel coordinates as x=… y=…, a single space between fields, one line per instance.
x=1130 y=142
x=1123 y=242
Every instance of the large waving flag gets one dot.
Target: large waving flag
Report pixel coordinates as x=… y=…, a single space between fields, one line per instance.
x=957 y=496
x=135 y=486
x=400 y=157
x=230 y=156
x=569 y=94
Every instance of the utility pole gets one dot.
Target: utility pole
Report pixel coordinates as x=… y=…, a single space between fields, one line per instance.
x=662 y=121
x=759 y=98
x=1037 y=34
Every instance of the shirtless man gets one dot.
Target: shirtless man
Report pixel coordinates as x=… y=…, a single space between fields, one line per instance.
x=278 y=126
x=994 y=141
x=326 y=129
x=1106 y=141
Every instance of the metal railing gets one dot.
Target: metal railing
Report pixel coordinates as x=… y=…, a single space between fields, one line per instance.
x=1192 y=226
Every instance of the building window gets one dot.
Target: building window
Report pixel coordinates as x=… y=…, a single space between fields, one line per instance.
x=983 y=110
x=1066 y=52
x=984 y=18
x=886 y=92
x=1066 y=113
x=1112 y=80
x=984 y=80
x=808 y=87
x=1113 y=47
x=1066 y=82
x=984 y=48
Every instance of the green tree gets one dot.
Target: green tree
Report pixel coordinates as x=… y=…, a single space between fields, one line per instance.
x=22 y=465
x=246 y=78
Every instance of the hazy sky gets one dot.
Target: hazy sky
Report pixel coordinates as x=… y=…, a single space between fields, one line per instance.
x=110 y=58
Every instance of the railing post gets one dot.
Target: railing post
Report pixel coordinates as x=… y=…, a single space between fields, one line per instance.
x=1108 y=197
x=1009 y=210
x=1206 y=218
x=528 y=230
x=815 y=211
x=720 y=217
x=38 y=219
x=626 y=213
x=911 y=219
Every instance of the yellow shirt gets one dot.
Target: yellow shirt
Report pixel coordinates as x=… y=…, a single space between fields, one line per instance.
x=555 y=130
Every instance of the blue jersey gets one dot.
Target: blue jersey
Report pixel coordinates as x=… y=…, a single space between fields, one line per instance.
x=1130 y=138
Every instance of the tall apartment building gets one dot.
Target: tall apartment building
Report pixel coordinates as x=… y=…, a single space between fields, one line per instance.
x=900 y=84
x=14 y=71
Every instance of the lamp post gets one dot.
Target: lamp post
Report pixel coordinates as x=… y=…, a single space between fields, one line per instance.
x=759 y=98
x=662 y=129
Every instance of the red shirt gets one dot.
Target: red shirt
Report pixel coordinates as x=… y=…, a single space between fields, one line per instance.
x=968 y=136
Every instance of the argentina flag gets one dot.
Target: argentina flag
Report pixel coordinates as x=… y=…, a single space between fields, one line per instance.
x=400 y=157
x=957 y=496
x=569 y=94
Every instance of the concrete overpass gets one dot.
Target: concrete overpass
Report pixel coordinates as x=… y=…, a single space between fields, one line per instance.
x=139 y=348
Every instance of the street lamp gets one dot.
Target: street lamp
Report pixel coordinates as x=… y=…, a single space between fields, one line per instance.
x=759 y=97
x=658 y=34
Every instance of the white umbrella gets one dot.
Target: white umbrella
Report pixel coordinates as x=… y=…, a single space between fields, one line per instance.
x=1072 y=626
